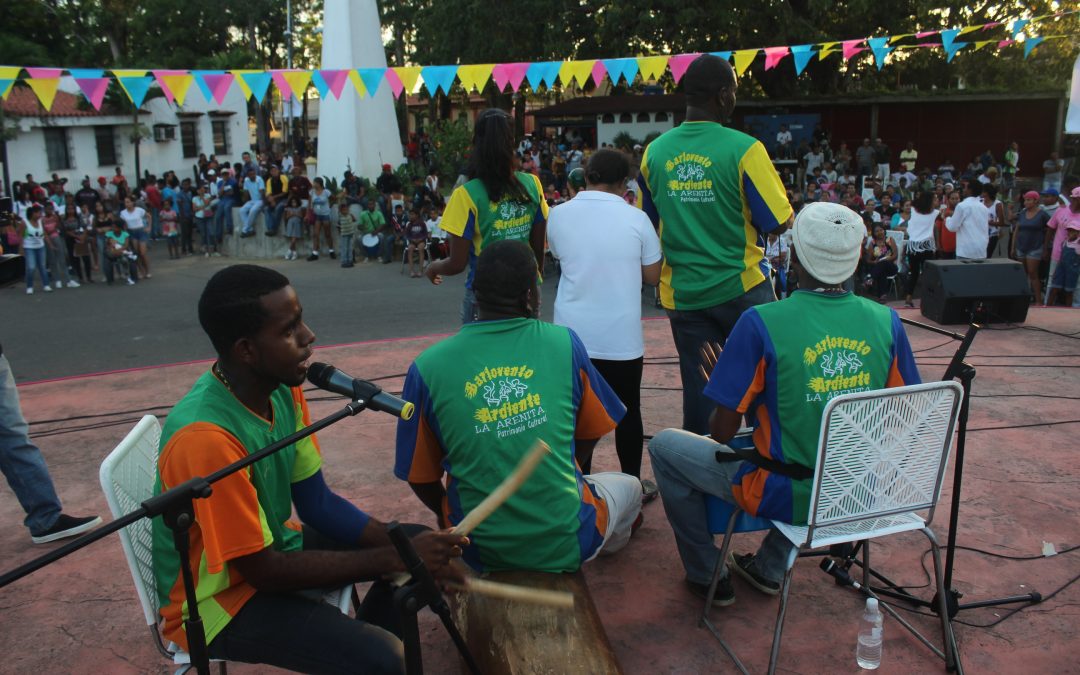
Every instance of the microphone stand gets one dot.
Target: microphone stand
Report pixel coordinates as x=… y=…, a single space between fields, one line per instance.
x=178 y=512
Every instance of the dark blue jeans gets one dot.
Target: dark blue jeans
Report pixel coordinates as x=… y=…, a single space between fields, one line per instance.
x=692 y=329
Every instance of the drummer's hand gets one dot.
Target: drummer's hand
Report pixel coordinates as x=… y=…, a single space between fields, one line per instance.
x=432 y=273
x=437 y=550
x=710 y=353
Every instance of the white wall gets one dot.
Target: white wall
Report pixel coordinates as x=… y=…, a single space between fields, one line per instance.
x=26 y=153
x=606 y=132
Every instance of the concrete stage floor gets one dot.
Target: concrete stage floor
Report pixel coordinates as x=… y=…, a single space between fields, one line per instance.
x=1020 y=490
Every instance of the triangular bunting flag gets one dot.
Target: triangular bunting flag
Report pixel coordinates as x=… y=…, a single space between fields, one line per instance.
x=408 y=76
x=7 y=79
x=298 y=81
x=278 y=76
x=743 y=59
x=971 y=29
x=982 y=43
x=621 y=68
x=543 y=73
x=652 y=67
x=135 y=84
x=925 y=33
x=44 y=73
x=165 y=86
x=851 y=48
x=679 y=64
x=509 y=74
x=947 y=38
x=320 y=84
x=334 y=79
x=880 y=47
x=45 y=88
x=802 y=55
x=438 y=77
x=358 y=83
x=475 y=76
x=599 y=72
x=1030 y=44
x=951 y=50
x=85 y=73
x=257 y=83
x=219 y=84
x=200 y=82
x=93 y=88
x=372 y=77
x=773 y=56
x=179 y=84
x=826 y=49
x=724 y=55
x=392 y=79
x=1002 y=44
x=897 y=38
x=241 y=83
x=1017 y=26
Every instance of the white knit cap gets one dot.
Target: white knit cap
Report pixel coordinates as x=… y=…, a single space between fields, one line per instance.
x=828 y=240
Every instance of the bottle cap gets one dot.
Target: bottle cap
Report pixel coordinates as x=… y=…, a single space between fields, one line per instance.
x=872 y=605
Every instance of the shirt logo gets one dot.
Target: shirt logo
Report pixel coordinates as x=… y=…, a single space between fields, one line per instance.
x=506 y=406
x=841 y=366
x=686 y=180
x=512 y=219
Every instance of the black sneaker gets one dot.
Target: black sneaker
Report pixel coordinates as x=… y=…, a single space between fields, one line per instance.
x=66 y=526
x=746 y=567
x=649 y=491
x=725 y=593
x=313 y=257
x=333 y=256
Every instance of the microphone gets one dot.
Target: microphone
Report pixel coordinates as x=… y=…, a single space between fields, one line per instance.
x=325 y=376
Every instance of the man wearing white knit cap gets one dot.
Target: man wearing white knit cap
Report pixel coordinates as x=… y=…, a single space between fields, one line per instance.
x=781 y=364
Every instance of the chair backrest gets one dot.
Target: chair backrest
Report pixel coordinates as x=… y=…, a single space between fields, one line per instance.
x=882 y=453
x=900 y=238
x=127 y=478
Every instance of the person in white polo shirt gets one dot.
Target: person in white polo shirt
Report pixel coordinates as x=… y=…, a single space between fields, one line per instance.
x=607 y=249
x=971 y=223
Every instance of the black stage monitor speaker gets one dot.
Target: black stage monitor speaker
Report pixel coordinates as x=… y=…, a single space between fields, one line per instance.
x=986 y=291
x=12 y=270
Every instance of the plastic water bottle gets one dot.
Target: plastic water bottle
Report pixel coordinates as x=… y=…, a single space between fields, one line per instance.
x=868 y=653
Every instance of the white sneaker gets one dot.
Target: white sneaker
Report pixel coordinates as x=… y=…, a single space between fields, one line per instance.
x=48 y=288
x=29 y=291
x=130 y=282
x=73 y=284
x=57 y=285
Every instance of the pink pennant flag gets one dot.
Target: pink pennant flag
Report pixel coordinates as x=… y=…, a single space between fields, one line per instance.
x=774 y=55
x=925 y=33
x=1005 y=43
x=335 y=79
x=679 y=63
x=282 y=84
x=392 y=79
x=219 y=85
x=599 y=72
x=44 y=73
x=851 y=48
x=93 y=88
x=992 y=24
x=509 y=73
x=160 y=76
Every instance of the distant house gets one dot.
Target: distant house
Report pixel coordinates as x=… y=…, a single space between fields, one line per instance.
x=599 y=119
x=74 y=140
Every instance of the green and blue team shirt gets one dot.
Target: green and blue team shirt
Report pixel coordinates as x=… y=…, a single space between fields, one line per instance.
x=483 y=397
x=713 y=194
x=782 y=363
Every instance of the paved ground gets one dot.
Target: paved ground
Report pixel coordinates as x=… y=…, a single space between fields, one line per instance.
x=100 y=328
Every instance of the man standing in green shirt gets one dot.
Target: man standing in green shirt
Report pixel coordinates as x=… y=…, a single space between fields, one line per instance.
x=714 y=195
x=372 y=221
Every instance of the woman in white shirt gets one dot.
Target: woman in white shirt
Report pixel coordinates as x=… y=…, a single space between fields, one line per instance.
x=134 y=218
x=34 y=241
x=920 y=238
x=607 y=249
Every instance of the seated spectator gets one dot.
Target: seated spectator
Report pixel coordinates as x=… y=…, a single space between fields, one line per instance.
x=881 y=257
x=416 y=234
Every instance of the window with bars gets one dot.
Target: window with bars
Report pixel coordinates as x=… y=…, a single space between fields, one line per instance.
x=56 y=149
x=221 y=137
x=189 y=139
x=105 y=140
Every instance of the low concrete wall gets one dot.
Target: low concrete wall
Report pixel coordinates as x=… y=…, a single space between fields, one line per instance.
x=262 y=247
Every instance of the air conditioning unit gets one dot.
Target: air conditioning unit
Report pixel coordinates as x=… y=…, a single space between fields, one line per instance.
x=164 y=132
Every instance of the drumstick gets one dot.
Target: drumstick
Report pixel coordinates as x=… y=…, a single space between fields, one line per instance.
x=536 y=596
x=508 y=487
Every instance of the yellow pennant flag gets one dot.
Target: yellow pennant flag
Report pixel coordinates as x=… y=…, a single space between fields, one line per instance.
x=409 y=76
x=828 y=48
x=45 y=88
x=969 y=29
x=298 y=81
x=475 y=76
x=354 y=77
x=896 y=38
x=240 y=81
x=652 y=67
x=8 y=75
x=743 y=59
x=982 y=43
x=578 y=71
x=178 y=85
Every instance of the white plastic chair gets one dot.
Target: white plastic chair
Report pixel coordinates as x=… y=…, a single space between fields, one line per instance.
x=900 y=238
x=881 y=459
x=127 y=477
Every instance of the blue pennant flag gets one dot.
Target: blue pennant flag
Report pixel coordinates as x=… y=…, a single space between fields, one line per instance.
x=724 y=55
x=947 y=38
x=802 y=55
x=136 y=88
x=320 y=84
x=880 y=47
x=86 y=73
x=208 y=95
x=544 y=72
x=438 y=77
x=371 y=77
x=1017 y=26
x=952 y=48
x=1031 y=43
x=626 y=68
x=258 y=83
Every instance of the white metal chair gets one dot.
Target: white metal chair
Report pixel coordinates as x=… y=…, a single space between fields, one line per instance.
x=127 y=477
x=881 y=459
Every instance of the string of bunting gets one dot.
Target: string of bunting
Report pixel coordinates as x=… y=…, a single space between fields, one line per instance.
x=214 y=85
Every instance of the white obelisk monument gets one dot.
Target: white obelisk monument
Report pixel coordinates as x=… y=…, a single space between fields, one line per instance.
x=361 y=133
